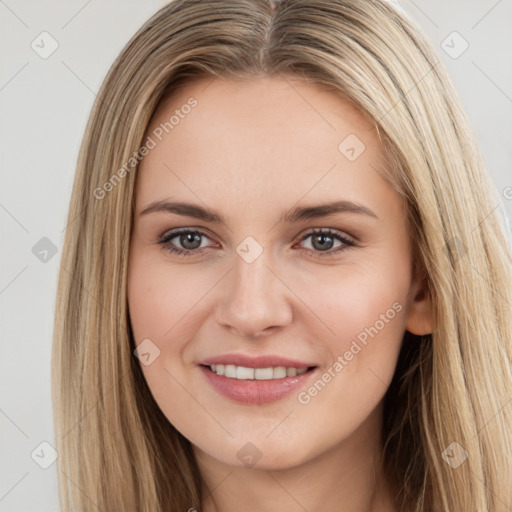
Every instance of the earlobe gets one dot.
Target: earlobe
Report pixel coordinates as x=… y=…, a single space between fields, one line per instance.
x=420 y=317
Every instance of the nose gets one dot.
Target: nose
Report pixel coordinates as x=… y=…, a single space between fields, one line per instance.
x=255 y=300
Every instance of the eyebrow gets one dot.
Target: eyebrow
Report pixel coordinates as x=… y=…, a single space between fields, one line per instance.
x=295 y=215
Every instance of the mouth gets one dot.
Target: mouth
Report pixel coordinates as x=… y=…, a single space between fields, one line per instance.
x=256 y=386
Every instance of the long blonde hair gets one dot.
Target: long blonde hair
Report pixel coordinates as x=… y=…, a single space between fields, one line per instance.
x=117 y=451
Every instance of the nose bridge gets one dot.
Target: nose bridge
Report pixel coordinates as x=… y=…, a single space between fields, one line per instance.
x=255 y=299
x=252 y=278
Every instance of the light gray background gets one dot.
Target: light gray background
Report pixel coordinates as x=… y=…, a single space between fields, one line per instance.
x=45 y=104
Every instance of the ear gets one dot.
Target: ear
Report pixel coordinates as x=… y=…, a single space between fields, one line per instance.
x=419 y=318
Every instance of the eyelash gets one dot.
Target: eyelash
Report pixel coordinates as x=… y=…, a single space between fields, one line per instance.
x=166 y=238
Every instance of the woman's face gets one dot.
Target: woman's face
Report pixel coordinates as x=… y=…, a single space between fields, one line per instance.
x=273 y=280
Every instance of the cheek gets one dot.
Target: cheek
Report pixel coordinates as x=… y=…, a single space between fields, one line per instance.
x=364 y=306
x=161 y=296
x=163 y=300
x=353 y=297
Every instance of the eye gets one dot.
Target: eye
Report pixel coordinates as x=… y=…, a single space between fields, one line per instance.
x=322 y=241
x=191 y=240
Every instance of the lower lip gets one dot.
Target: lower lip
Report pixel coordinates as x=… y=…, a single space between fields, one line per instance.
x=255 y=391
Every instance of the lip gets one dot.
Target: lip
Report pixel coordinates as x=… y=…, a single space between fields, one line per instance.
x=263 y=361
x=256 y=391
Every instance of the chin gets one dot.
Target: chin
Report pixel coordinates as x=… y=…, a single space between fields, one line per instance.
x=260 y=454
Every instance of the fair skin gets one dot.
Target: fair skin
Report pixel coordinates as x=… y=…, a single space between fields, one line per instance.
x=253 y=151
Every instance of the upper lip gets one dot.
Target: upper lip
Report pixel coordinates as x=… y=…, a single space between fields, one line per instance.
x=262 y=361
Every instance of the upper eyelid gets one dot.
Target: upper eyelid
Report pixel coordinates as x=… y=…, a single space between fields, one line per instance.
x=312 y=231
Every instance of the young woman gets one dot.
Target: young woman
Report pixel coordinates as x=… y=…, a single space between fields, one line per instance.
x=285 y=283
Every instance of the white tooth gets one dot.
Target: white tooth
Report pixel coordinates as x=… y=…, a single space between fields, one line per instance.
x=263 y=373
x=230 y=371
x=291 y=372
x=244 y=373
x=279 y=372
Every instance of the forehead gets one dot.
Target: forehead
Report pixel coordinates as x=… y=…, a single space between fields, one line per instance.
x=271 y=137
